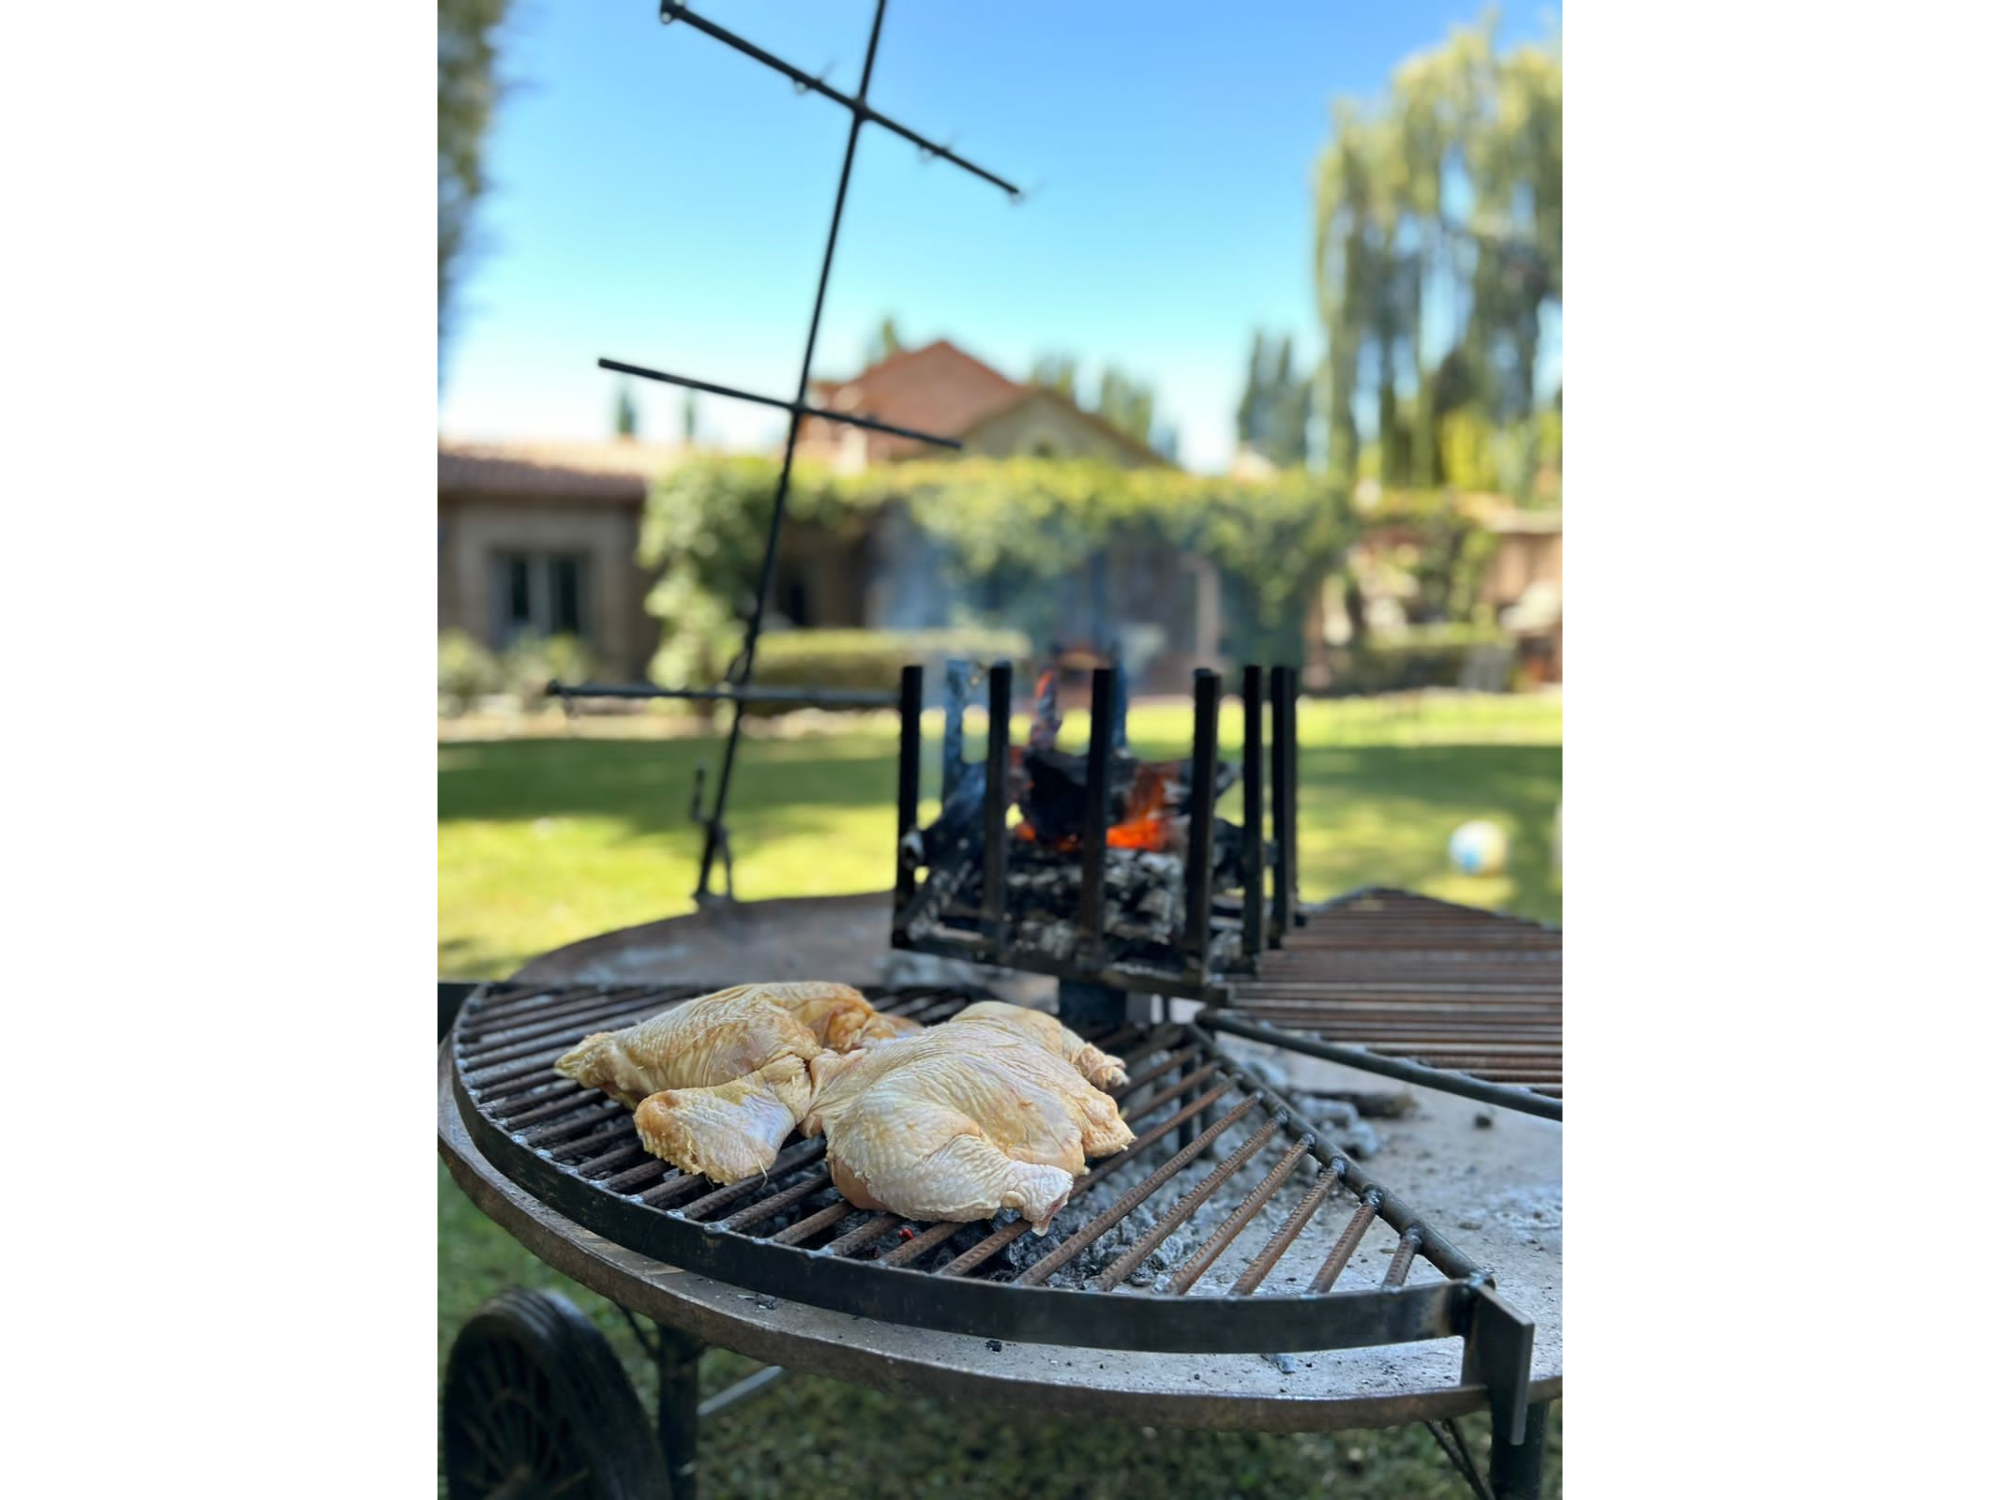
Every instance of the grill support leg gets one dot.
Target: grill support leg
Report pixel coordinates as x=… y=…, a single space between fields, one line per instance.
x=1517 y=1467
x=678 y=1356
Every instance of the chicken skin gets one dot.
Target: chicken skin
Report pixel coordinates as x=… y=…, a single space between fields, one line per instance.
x=959 y=1123
x=1101 y=1068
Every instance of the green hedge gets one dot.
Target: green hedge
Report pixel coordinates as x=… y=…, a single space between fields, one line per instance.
x=1425 y=656
x=873 y=660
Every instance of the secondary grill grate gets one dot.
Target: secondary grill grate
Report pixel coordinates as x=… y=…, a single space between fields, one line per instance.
x=1226 y=1225
x=1438 y=994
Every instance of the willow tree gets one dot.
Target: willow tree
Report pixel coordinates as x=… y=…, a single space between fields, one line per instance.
x=1460 y=125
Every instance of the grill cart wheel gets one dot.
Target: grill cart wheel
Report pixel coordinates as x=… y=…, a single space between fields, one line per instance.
x=536 y=1405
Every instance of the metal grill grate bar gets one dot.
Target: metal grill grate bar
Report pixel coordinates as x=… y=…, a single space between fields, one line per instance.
x=1172 y=1218
x=1267 y=1259
x=1343 y=1248
x=1197 y=1266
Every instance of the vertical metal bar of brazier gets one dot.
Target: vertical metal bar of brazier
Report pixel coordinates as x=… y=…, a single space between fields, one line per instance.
x=1200 y=926
x=909 y=769
x=999 y=704
x=1292 y=790
x=1284 y=865
x=1253 y=813
x=1096 y=819
x=957 y=685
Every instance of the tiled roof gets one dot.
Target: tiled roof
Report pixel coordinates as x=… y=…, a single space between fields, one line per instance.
x=938 y=389
x=613 y=469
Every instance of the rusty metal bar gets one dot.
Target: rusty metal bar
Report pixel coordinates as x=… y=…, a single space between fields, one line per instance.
x=1399 y=1263
x=812 y=1224
x=680 y=1185
x=765 y=1208
x=999 y=706
x=1343 y=1248
x=558 y=1106
x=626 y=1182
x=1129 y=1200
x=995 y=1242
x=1267 y=1259
x=631 y=1151
x=865 y=1234
x=1202 y=1191
x=1253 y=1204
x=930 y=1239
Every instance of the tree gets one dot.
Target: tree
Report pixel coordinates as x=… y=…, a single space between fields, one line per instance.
x=687 y=418
x=1273 y=415
x=883 y=342
x=1055 y=372
x=468 y=89
x=1459 y=124
x=625 y=418
x=1125 y=403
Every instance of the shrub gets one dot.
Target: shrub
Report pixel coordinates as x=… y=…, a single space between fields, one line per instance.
x=466 y=672
x=530 y=663
x=873 y=660
x=1423 y=656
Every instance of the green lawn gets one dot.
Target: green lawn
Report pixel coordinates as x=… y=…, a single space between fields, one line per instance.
x=542 y=841
x=545 y=840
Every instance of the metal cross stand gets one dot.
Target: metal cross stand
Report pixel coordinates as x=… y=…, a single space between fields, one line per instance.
x=738 y=692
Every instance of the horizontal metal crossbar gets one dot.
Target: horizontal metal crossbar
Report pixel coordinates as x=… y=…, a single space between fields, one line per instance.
x=799 y=408
x=806 y=697
x=801 y=79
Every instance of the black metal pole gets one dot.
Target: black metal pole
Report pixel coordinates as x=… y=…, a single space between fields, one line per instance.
x=1290 y=698
x=1465 y=1085
x=1517 y=1467
x=679 y=1359
x=1253 y=812
x=1281 y=781
x=909 y=766
x=999 y=703
x=1096 y=820
x=749 y=656
x=1201 y=823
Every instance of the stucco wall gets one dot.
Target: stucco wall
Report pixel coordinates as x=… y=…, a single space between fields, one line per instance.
x=477 y=529
x=1043 y=423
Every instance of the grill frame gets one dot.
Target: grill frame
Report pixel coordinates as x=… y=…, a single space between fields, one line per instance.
x=508 y=1036
x=1343 y=990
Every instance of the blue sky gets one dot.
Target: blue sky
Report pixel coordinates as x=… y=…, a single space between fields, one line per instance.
x=659 y=198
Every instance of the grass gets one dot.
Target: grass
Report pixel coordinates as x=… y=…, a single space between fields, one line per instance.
x=854 y=1441
x=547 y=838
x=544 y=840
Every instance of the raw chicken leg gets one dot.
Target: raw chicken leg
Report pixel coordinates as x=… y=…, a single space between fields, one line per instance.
x=958 y=1123
x=718 y=1082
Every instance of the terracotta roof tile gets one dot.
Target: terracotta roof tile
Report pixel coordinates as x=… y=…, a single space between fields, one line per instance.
x=614 y=469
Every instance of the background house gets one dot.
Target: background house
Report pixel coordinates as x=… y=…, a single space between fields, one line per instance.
x=541 y=539
x=1159 y=607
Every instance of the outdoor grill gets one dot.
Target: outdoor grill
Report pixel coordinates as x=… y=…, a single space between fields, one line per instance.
x=1227 y=1227
x=1185 y=1272
x=1176 y=907
x=1447 y=996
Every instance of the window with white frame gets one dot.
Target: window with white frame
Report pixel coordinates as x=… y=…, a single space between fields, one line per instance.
x=540 y=594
